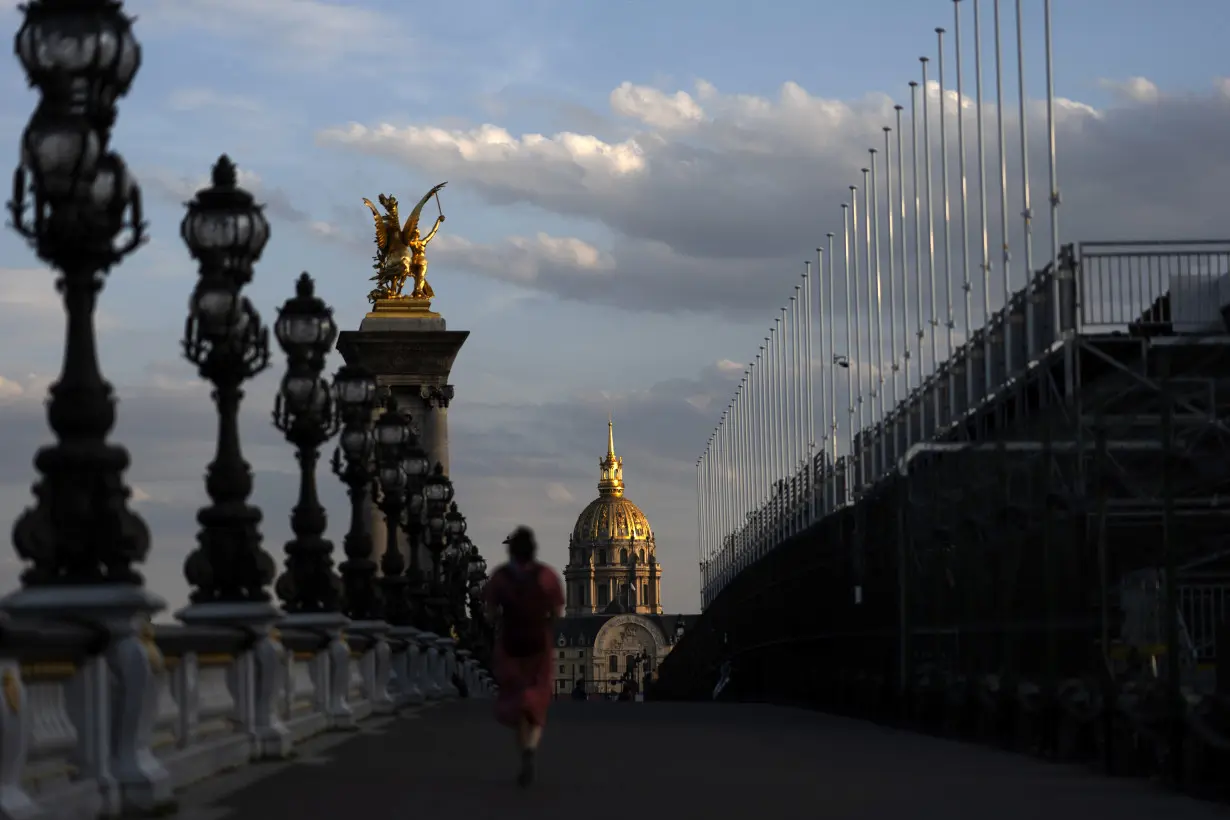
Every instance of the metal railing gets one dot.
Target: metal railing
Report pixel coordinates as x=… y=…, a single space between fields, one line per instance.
x=1100 y=288
x=1153 y=287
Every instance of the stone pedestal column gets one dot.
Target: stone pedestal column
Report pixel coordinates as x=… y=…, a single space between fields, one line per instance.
x=411 y=352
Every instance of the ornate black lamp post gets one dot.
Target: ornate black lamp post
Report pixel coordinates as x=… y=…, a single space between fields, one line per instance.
x=76 y=204
x=455 y=524
x=416 y=466
x=393 y=436
x=304 y=413
x=355 y=400
x=225 y=231
x=459 y=586
x=437 y=493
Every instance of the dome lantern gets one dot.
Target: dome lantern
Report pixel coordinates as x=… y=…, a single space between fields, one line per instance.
x=611 y=480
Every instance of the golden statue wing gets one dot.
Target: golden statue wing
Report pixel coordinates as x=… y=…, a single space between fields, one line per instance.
x=382 y=235
x=412 y=221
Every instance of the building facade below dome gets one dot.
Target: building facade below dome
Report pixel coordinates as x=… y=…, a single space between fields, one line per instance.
x=612 y=557
x=614 y=633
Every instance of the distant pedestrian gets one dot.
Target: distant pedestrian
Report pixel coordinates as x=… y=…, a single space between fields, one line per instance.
x=524 y=599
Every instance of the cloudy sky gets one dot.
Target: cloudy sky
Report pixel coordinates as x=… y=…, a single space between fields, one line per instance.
x=632 y=190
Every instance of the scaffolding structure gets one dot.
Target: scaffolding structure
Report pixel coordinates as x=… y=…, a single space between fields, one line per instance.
x=1032 y=547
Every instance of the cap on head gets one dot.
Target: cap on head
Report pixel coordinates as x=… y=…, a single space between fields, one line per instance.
x=521 y=544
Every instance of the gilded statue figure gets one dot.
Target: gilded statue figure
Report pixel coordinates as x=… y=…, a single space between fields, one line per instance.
x=401 y=250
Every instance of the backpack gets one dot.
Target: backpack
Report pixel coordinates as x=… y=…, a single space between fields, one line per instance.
x=525 y=614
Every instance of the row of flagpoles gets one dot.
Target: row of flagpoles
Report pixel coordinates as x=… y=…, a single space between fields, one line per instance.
x=763 y=473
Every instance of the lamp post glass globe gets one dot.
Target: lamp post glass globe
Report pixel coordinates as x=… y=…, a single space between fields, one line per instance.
x=357 y=444
x=224 y=227
x=305 y=328
x=354 y=389
x=61 y=151
x=391 y=477
x=416 y=463
x=305 y=395
x=93 y=42
x=392 y=431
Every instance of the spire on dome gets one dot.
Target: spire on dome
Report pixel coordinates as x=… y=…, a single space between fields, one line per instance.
x=611 y=481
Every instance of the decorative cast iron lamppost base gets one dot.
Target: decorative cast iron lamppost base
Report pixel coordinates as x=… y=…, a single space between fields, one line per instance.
x=79 y=208
x=310 y=590
x=229 y=572
x=354 y=397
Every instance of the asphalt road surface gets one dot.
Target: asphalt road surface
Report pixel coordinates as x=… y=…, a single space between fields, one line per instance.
x=643 y=761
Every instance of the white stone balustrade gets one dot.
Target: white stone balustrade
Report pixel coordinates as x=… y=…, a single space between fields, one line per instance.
x=63 y=756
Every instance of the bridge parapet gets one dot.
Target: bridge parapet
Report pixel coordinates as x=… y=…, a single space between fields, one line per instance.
x=61 y=754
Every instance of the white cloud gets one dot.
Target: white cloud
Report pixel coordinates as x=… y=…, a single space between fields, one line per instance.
x=713 y=200
x=655 y=108
x=527 y=259
x=1133 y=89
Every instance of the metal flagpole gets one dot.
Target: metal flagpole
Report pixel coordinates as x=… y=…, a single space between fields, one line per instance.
x=892 y=276
x=723 y=505
x=796 y=382
x=982 y=203
x=727 y=503
x=831 y=364
x=783 y=393
x=758 y=444
x=879 y=429
x=905 y=281
x=735 y=419
x=747 y=443
x=813 y=443
x=732 y=527
x=845 y=220
x=792 y=385
x=774 y=428
x=732 y=482
x=707 y=504
x=741 y=474
x=700 y=525
x=948 y=322
x=867 y=453
x=918 y=318
x=1003 y=192
x=811 y=398
x=856 y=364
x=727 y=472
x=753 y=433
x=935 y=323
x=966 y=287
x=1054 y=172
x=749 y=454
x=713 y=508
x=796 y=364
x=1027 y=216
x=944 y=193
x=715 y=490
x=822 y=405
x=800 y=309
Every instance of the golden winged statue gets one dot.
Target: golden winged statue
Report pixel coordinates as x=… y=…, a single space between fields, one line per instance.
x=401 y=250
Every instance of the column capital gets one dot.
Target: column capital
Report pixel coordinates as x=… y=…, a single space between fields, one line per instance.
x=436 y=396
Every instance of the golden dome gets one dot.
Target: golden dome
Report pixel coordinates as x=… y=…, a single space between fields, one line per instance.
x=610 y=516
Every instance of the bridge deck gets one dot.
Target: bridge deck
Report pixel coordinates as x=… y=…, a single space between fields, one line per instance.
x=667 y=760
